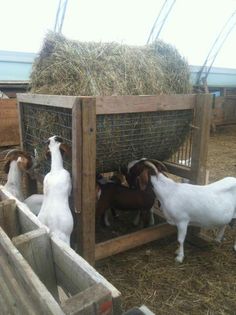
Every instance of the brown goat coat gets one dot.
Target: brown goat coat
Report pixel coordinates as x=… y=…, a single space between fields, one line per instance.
x=123 y=198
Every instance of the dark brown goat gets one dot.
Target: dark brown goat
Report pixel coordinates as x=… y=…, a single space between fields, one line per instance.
x=115 y=196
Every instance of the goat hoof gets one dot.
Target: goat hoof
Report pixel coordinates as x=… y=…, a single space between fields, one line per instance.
x=177 y=251
x=179 y=259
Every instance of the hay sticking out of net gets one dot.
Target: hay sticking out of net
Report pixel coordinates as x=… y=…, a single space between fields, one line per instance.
x=88 y=68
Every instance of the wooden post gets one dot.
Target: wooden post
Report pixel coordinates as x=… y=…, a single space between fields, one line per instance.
x=202 y=121
x=84 y=170
x=8 y=217
x=201 y=135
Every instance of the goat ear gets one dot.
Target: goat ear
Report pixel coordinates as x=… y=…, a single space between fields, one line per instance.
x=143 y=179
x=7 y=166
x=65 y=149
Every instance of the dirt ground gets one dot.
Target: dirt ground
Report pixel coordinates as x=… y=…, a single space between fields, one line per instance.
x=205 y=283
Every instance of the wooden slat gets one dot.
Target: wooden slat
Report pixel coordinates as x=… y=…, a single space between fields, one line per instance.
x=125 y=242
x=201 y=136
x=16 y=298
x=149 y=103
x=35 y=246
x=84 y=190
x=95 y=300
x=9 y=124
x=8 y=217
x=27 y=220
x=77 y=156
x=48 y=100
x=43 y=301
x=75 y=274
x=179 y=170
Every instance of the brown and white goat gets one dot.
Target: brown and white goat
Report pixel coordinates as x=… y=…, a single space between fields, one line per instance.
x=17 y=162
x=115 y=196
x=137 y=178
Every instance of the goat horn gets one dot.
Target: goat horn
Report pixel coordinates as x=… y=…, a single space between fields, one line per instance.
x=150 y=164
x=160 y=163
x=11 y=152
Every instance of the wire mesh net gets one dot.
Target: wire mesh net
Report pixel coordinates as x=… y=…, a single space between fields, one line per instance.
x=120 y=138
x=40 y=122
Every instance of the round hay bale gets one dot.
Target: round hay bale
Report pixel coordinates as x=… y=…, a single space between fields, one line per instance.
x=87 y=68
x=68 y=67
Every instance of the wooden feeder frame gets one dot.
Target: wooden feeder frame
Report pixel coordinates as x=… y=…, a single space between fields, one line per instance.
x=84 y=112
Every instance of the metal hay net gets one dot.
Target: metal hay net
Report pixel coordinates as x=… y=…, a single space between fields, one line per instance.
x=120 y=138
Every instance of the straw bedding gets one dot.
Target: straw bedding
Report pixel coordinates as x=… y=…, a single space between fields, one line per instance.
x=205 y=283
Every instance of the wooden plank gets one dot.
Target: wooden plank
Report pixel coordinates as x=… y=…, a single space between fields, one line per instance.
x=201 y=136
x=77 y=155
x=27 y=220
x=179 y=170
x=43 y=301
x=8 y=217
x=95 y=300
x=15 y=296
x=47 y=100
x=86 y=217
x=35 y=246
x=125 y=242
x=75 y=274
x=9 y=125
x=20 y=121
x=141 y=103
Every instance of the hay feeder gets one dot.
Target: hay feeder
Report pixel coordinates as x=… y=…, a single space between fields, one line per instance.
x=108 y=131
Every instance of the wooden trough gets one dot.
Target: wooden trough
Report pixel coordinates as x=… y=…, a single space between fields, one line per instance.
x=33 y=266
x=76 y=120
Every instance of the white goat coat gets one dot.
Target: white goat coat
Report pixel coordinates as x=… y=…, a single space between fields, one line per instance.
x=55 y=211
x=14 y=181
x=205 y=206
x=34 y=203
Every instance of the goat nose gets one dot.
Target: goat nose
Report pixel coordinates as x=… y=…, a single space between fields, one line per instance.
x=45 y=141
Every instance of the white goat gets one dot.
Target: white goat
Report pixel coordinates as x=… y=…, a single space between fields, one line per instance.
x=55 y=211
x=34 y=203
x=17 y=162
x=205 y=206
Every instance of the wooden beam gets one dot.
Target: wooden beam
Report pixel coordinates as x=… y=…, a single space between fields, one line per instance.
x=75 y=274
x=8 y=217
x=27 y=220
x=179 y=170
x=201 y=136
x=35 y=246
x=95 y=300
x=37 y=293
x=125 y=242
x=141 y=103
x=84 y=170
x=47 y=100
